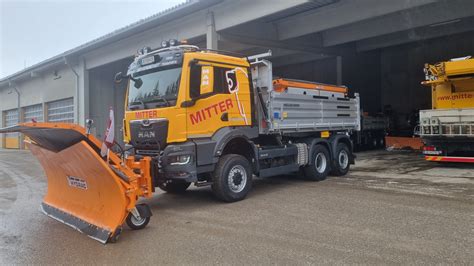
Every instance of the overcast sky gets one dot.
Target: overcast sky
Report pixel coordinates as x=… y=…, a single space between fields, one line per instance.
x=32 y=31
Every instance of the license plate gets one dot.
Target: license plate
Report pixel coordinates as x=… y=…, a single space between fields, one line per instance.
x=148 y=60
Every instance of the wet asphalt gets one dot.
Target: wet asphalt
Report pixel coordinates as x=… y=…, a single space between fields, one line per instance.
x=393 y=208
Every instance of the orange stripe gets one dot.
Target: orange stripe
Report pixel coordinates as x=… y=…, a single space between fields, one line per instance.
x=281 y=84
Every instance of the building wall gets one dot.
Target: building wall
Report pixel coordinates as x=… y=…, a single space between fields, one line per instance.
x=104 y=93
x=401 y=70
x=52 y=85
x=360 y=73
x=319 y=71
x=387 y=78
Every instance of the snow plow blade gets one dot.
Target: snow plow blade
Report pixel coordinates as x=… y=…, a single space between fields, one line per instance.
x=84 y=190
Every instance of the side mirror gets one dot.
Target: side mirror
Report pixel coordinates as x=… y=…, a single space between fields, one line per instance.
x=118 y=78
x=138 y=83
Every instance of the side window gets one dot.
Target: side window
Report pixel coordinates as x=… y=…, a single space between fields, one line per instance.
x=195 y=81
x=223 y=80
x=211 y=79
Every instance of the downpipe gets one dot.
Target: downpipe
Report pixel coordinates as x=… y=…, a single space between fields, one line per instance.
x=76 y=90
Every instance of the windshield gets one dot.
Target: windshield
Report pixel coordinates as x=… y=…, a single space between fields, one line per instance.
x=154 y=89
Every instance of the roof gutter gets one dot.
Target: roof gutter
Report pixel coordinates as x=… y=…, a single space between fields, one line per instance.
x=26 y=73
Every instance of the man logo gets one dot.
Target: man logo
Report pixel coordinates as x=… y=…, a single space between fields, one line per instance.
x=146 y=134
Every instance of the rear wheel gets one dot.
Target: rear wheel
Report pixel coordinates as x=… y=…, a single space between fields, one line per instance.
x=341 y=165
x=174 y=187
x=232 y=178
x=318 y=170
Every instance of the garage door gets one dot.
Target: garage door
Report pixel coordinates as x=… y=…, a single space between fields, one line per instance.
x=11 y=139
x=34 y=112
x=61 y=111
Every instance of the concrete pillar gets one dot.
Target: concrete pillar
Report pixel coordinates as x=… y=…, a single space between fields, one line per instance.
x=211 y=33
x=339 y=70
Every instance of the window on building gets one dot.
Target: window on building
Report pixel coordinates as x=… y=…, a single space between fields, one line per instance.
x=61 y=111
x=33 y=112
x=11 y=119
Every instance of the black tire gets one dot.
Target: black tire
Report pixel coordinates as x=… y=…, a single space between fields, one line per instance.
x=115 y=237
x=241 y=177
x=341 y=164
x=135 y=224
x=318 y=170
x=174 y=187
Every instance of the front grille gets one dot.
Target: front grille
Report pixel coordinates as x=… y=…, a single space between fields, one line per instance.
x=149 y=134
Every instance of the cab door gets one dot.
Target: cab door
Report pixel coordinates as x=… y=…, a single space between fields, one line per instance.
x=219 y=97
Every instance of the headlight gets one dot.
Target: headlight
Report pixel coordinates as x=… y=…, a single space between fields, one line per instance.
x=180 y=159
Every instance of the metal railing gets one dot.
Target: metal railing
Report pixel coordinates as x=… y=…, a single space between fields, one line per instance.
x=448 y=129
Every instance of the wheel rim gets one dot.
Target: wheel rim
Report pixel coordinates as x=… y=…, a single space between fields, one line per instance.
x=321 y=162
x=137 y=222
x=343 y=159
x=237 y=178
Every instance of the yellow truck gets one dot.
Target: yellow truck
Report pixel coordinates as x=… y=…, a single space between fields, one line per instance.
x=193 y=116
x=447 y=130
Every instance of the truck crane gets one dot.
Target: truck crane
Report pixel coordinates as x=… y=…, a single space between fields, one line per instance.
x=447 y=129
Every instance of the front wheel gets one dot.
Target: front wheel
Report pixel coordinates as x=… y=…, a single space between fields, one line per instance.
x=318 y=170
x=232 y=178
x=137 y=223
x=341 y=165
x=139 y=217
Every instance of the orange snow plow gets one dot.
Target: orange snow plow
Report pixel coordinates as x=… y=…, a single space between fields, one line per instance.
x=92 y=194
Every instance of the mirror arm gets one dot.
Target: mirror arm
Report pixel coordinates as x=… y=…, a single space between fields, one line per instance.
x=188 y=103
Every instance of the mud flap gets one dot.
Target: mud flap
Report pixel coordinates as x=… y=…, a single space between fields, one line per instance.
x=83 y=191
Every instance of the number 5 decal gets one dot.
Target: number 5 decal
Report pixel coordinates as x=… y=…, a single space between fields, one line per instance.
x=233 y=87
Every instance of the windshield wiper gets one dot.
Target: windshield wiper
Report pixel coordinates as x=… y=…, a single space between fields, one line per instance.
x=159 y=99
x=135 y=105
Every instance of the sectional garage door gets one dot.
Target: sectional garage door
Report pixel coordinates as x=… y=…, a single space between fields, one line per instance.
x=61 y=111
x=33 y=113
x=11 y=139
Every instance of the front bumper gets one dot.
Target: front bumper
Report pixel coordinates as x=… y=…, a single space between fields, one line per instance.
x=170 y=170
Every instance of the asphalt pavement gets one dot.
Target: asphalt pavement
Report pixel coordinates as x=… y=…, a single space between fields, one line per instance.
x=393 y=208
